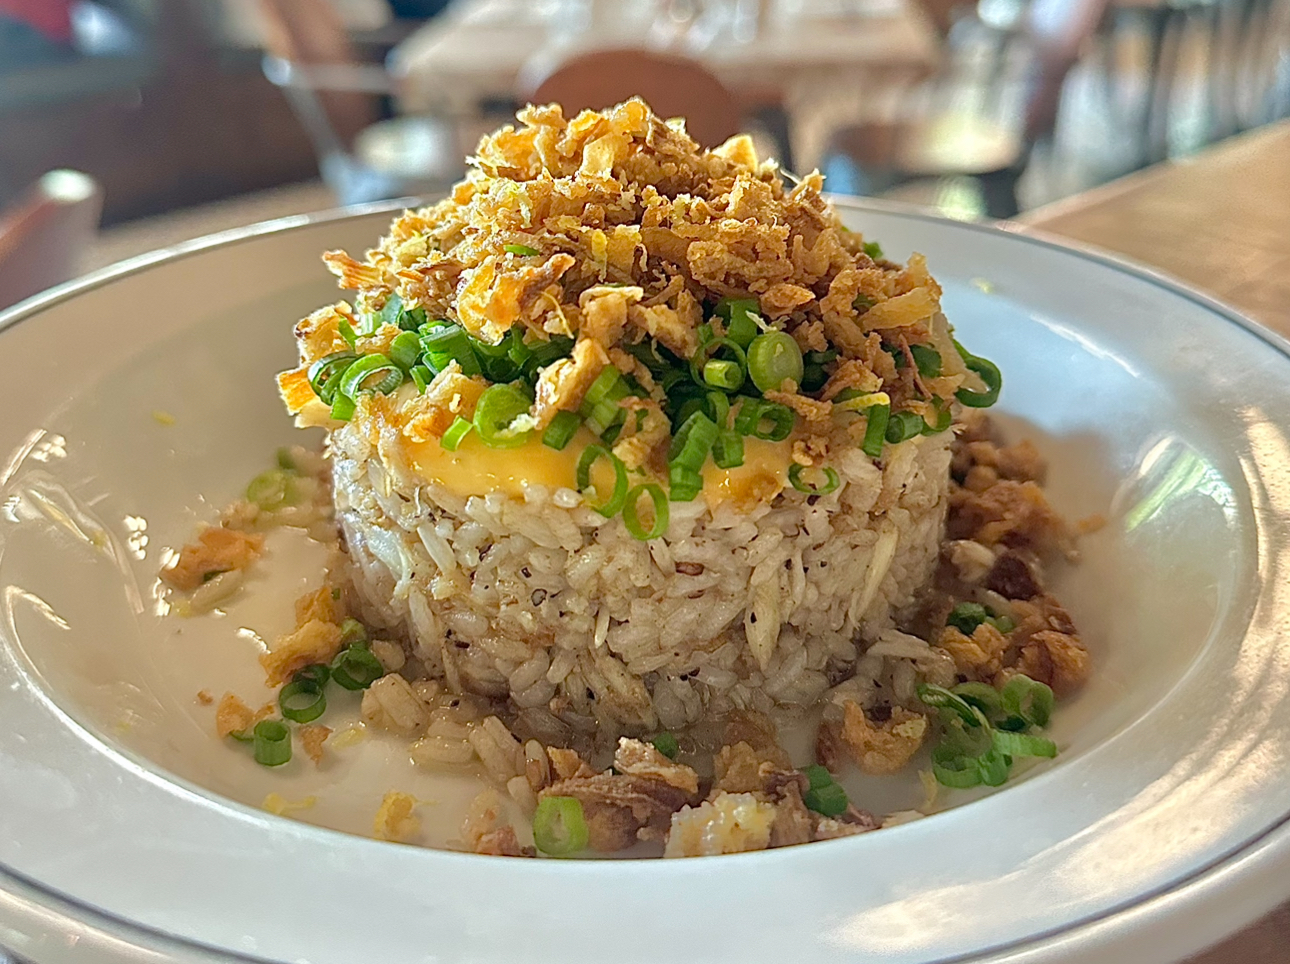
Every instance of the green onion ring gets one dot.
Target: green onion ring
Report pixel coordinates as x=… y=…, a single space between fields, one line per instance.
x=989 y=373
x=455 y=433
x=497 y=409
x=981 y=695
x=317 y=673
x=667 y=745
x=611 y=506
x=272 y=743
x=561 y=430
x=829 y=801
x=726 y=375
x=728 y=450
x=522 y=250
x=875 y=432
x=773 y=357
x=631 y=517
x=356 y=668
x=1029 y=699
x=559 y=827
x=831 y=480
x=296 y=710
x=323 y=372
x=710 y=348
x=927 y=359
x=359 y=374
x=684 y=483
x=352 y=631
x=902 y=426
x=944 y=417
x=994 y=767
x=693 y=441
x=1020 y=744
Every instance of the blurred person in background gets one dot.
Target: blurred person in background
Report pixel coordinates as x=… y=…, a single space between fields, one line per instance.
x=34 y=32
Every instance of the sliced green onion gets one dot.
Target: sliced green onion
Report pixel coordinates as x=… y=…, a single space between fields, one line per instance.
x=544 y=353
x=989 y=373
x=707 y=349
x=994 y=767
x=943 y=699
x=608 y=386
x=818 y=776
x=903 y=425
x=405 y=349
x=302 y=701
x=666 y=744
x=358 y=377
x=451 y=342
x=1029 y=699
x=456 y=434
x=738 y=312
x=927 y=359
x=1019 y=744
x=352 y=631
x=559 y=827
x=356 y=668
x=728 y=450
x=631 y=517
x=1004 y=624
x=830 y=800
x=272 y=743
x=981 y=695
x=692 y=441
x=271 y=490
x=392 y=311
x=412 y=319
x=285 y=460
x=814 y=377
x=561 y=430
x=684 y=483
x=875 y=433
x=243 y=736
x=497 y=409
x=719 y=408
x=966 y=617
x=611 y=506
x=521 y=249
x=862 y=302
x=316 y=673
x=325 y=374
x=831 y=480
x=421 y=377
x=753 y=412
x=943 y=418
x=959 y=773
x=726 y=375
x=773 y=357
x=343 y=408
x=347 y=332
x=873 y=249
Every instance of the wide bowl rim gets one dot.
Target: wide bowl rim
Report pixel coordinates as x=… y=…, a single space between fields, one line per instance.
x=1192 y=886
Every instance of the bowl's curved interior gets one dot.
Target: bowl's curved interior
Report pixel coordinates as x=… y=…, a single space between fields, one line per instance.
x=1153 y=411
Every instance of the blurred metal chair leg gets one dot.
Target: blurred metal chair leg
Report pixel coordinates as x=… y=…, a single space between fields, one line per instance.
x=44 y=238
x=336 y=99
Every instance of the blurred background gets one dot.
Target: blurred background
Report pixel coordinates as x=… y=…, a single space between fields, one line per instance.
x=188 y=116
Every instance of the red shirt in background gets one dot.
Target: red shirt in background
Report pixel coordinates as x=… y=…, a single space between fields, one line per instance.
x=50 y=17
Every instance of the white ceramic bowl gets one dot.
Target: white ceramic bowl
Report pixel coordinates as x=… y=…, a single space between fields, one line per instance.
x=128 y=833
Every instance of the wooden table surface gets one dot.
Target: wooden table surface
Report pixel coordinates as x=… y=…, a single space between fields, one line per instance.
x=1221 y=222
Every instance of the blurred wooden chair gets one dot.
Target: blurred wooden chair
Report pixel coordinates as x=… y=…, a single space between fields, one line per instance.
x=973 y=144
x=337 y=99
x=673 y=86
x=44 y=237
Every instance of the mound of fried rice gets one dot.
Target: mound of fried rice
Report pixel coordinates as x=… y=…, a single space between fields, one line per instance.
x=740 y=605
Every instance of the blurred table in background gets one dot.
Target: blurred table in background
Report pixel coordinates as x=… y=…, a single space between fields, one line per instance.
x=1219 y=220
x=482 y=52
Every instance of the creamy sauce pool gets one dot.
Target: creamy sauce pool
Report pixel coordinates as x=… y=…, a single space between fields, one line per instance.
x=476 y=469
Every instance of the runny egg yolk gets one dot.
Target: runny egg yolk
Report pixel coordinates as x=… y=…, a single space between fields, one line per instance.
x=476 y=469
